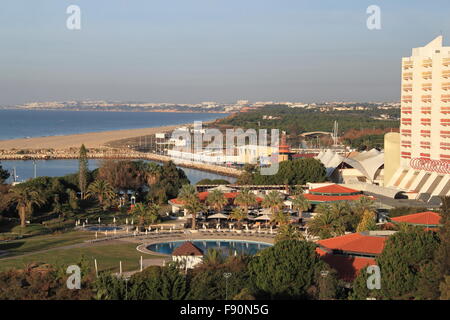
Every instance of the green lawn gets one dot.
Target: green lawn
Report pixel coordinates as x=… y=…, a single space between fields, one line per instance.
x=43 y=242
x=108 y=257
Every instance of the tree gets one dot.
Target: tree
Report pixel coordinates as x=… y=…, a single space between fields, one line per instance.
x=300 y=203
x=245 y=199
x=146 y=213
x=101 y=190
x=367 y=222
x=152 y=173
x=326 y=223
x=25 y=199
x=288 y=232
x=4 y=174
x=274 y=201
x=442 y=258
x=216 y=199
x=286 y=270
x=404 y=261
x=191 y=203
x=83 y=170
x=238 y=214
x=445 y=288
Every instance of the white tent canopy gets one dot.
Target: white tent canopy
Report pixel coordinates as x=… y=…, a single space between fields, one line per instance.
x=218 y=216
x=264 y=217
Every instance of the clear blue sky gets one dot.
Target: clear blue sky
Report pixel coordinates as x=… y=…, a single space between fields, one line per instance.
x=201 y=50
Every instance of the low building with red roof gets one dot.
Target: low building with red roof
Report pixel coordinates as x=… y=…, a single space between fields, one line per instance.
x=188 y=254
x=332 y=193
x=350 y=253
x=426 y=219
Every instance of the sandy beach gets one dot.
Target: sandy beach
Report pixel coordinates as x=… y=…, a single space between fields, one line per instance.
x=90 y=140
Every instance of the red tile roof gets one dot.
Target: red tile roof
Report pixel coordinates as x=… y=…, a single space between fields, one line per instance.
x=187 y=249
x=334 y=188
x=319 y=198
x=347 y=267
x=422 y=218
x=354 y=243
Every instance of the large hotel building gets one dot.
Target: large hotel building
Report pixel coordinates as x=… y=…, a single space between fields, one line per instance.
x=424 y=169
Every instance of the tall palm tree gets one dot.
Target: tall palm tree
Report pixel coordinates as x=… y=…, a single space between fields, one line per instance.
x=363 y=204
x=26 y=198
x=216 y=199
x=238 y=214
x=191 y=203
x=152 y=173
x=274 y=201
x=101 y=190
x=146 y=213
x=288 y=232
x=327 y=223
x=300 y=203
x=245 y=199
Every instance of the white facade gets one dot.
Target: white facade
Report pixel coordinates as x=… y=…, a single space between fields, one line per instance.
x=425 y=122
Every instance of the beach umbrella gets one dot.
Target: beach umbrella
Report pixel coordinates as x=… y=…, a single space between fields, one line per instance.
x=204 y=226
x=86 y=221
x=217 y=226
x=126 y=221
x=264 y=217
x=246 y=227
x=271 y=230
x=114 y=220
x=259 y=228
x=132 y=221
x=99 y=220
x=84 y=224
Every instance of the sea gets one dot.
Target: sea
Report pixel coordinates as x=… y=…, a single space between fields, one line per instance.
x=40 y=123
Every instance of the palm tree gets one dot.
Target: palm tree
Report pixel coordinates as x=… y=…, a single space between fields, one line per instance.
x=300 y=203
x=26 y=198
x=363 y=204
x=327 y=223
x=274 y=201
x=288 y=232
x=101 y=190
x=146 y=213
x=245 y=199
x=152 y=173
x=238 y=214
x=217 y=200
x=191 y=203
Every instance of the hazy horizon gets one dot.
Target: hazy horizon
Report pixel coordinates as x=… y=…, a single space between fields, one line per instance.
x=209 y=50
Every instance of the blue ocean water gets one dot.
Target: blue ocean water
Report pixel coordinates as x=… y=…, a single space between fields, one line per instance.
x=57 y=168
x=39 y=123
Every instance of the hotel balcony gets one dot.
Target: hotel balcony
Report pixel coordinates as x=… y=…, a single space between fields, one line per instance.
x=407 y=76
x=407 y=87
x=425 y=144
x=425 y=110
x=425 y=156
x=445 y=146
x=407 y=65
x=427 y=75
x=426 y=98
x=445 y=122
x=446 y=62
x=446 y=74
x=406 y=122
x=427 y=63
x=407 y=110
x=406 y=155
x=425 y=121
x=407 y=99
x=445 y=157
x=445 y=110
x=445 y=98
x=406 y=144
x=425 y=133
x=406 y=132
x=426 y=87
x=446 y=86
x=445 y=134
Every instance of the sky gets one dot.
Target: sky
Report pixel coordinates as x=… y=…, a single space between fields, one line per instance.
x=189 y=51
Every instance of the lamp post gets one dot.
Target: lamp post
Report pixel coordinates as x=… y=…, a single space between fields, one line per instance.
x=226 y=275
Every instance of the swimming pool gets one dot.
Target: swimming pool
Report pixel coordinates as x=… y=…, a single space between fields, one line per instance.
x=103 y=228
x=226 y=246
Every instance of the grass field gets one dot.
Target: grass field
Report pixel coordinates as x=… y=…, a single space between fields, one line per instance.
x=108 y=257
x=43 y=242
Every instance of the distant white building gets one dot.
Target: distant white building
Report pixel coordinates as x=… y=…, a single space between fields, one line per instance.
x=188 y=255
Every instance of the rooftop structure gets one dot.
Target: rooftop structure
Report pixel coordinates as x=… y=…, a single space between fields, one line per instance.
x=427 y=219
x=332 y=193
